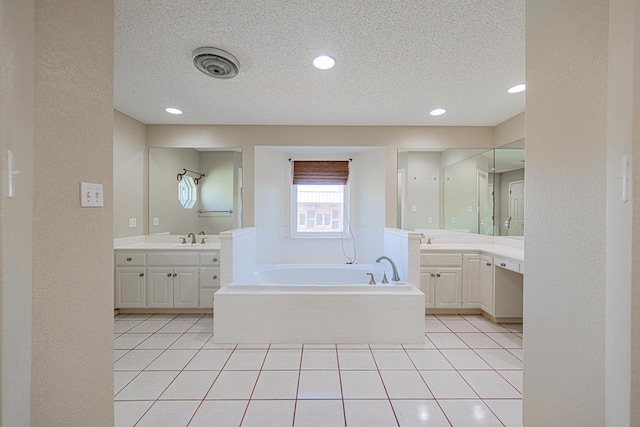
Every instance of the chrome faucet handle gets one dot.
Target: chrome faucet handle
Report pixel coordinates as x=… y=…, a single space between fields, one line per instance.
x=384 y=278
x=429 y=240
x=184 y=240
x=202 y=242
x=372 y=280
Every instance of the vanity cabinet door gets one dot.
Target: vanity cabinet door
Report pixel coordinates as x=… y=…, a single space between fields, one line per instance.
x=427 y=281
x=471 y=285
x=485 y=284
x=130 y=287
x=160 y=287
x=448 y=288
x=186 y=287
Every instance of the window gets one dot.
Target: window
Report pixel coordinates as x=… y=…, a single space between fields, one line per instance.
x=187 y=192
x=320 y=210
x=319 y=198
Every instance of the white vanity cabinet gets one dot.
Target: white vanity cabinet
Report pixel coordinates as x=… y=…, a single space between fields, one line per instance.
x=173 y=279
x=478 y=282
x=130 y=280
x=441 y=280
x=209 y=278
x=166 y=279
x=508 y=289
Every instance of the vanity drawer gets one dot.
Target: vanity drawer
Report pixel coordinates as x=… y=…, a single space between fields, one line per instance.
x=172 y=258
x=439 y=260
x=209 y=277
x=212 y=258
x=508 y=264
x=130 y=258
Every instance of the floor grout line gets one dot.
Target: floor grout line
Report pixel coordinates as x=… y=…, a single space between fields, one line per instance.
x=198 y=347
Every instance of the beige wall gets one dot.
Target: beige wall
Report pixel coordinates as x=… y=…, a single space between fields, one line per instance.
x=16 y=134
x=509 y=131
x=622 y=383
x=391 y=137
x=129 y=175
x=566 y=146
x=635 y=258
x=72 y=365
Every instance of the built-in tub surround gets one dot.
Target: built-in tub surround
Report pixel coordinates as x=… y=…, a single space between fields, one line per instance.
x=315 y=303
x=340 y=310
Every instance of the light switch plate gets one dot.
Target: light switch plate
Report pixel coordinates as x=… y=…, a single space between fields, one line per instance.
x=132 y=223
x=414 y=208
x=155 y=221
x=91 y=195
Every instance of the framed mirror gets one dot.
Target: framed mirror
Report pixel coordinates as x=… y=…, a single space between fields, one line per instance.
x=194 y=190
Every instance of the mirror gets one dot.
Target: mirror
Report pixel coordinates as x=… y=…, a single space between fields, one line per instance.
x=509 y=190
x=462 y=190
x=193 y=190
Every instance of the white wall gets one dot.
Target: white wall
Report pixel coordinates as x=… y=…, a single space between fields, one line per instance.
x=566 y=172
x=17 y=38
x=273 y=204
x=129 y=175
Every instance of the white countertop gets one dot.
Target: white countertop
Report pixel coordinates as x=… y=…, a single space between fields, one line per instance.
x=165 y=243
x=514 y=253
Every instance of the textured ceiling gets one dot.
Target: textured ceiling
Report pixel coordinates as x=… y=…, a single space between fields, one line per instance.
x=395 y=61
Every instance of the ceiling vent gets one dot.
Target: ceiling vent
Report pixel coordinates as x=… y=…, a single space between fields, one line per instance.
x=216 y=62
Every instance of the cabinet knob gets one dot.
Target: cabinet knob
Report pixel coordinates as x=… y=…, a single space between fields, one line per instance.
x=488 y=264
x=215 y=277
x=175 y=275
x=433 y=275
x=502 y=264
x=438 y=275
x=129 y=259
x=168 y=274
x=215 y=260
x=141 y=274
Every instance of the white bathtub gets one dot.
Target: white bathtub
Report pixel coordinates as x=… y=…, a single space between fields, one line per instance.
x=318 y=304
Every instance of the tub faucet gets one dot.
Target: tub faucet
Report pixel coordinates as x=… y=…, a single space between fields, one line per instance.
x=395 y=278
x=193 y=238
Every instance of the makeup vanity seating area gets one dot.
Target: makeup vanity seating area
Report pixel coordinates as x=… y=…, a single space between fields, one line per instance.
x=161 y=274
x=474 y=277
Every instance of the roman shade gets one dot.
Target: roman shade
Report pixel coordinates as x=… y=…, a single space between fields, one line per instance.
x=323 y=172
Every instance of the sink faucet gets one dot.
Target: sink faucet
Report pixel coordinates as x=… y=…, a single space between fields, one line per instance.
x=193 y=238
x=395 y=278
x=202 y=233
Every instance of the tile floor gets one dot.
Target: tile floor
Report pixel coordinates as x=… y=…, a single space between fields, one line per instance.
x=168 y=372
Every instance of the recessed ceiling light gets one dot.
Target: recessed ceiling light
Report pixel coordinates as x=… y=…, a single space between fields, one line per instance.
x=171 y=110
x=324 y=62
x=517 y=88
x=438 y=112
